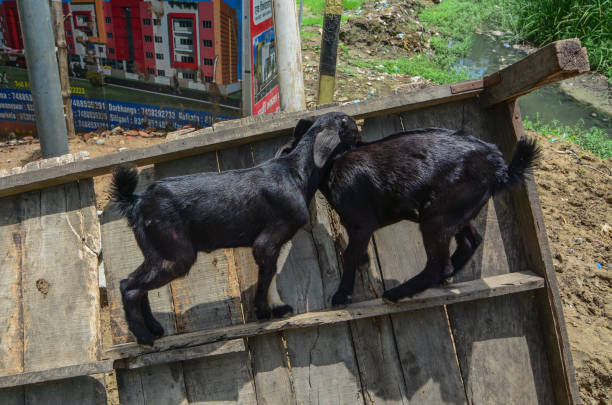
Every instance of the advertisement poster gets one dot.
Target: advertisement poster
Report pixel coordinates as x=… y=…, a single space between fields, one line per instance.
x=263 y=59
x=134 y=63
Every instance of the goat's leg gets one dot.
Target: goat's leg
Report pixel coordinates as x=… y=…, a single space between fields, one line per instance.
x=154 y=273
x=436 y=242
x=154 y=327
x=468 y=239
x=270 y=255
x=354 y=256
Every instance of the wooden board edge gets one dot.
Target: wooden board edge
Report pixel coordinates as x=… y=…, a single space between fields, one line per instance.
x=229 y=134
x=510 y=283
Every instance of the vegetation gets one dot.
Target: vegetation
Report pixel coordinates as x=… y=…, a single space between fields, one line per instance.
x=593 y=140
x=543 y=21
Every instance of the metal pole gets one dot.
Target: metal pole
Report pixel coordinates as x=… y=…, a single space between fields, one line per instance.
x=35 y=18
x=289 y=56
x=301 y=13
x=247 y=47
x=329 y=51
x=62 y=63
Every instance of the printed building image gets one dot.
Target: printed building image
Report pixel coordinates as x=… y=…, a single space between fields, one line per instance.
x=190 y=44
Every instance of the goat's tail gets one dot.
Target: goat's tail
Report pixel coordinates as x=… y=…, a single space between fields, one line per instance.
x=526 y=156
x=125 y=179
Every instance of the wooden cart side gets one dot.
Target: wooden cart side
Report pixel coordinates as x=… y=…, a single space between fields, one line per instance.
x=537 y=254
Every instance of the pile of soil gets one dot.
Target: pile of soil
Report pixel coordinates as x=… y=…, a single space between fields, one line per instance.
x=576 y=198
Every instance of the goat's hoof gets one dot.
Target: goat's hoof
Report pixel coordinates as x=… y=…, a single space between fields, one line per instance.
x=263 y=314
x=391 y=297
x=145 y=340
x=156 y=330
x=340 y=299
x=282 y=311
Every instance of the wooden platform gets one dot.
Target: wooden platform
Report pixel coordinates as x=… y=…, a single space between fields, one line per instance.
x=496 y=335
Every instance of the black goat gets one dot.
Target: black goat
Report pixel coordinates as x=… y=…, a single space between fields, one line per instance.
x=261 y=207
x=437 y=177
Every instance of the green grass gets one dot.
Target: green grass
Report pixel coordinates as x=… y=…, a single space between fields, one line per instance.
x=543 y=21
x=594 y=140
x=317 y=8
x=419 y=65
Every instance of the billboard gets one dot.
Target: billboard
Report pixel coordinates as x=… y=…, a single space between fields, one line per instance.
x=264 y=73
x=135 y=63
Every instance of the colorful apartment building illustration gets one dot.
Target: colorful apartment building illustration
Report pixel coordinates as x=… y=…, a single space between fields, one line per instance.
x=192 y=44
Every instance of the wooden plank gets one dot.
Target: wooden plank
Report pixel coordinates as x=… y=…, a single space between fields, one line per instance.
x=556 y=61
x=11 y=316
x=108 y=365
x=497 y=361
x=424 y=344
x=510 y=283
x=229 y=135
x=537 y=255
x=380 y=372
x=57 y=373
x=270 y=368
x=79 y=390
x=121 y=257
x=206 y=298
x=322 y=361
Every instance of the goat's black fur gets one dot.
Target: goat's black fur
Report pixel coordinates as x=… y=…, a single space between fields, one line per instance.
x=437 y=177
x=261 y=207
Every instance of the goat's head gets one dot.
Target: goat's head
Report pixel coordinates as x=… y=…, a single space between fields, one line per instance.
x=333 y=133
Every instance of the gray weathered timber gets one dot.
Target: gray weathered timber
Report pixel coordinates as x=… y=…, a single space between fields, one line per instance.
x=510 y=283
x=423 y=340
x=208 y=296
x=537 y=255
x=11 y=306
x=58 y=373
x=230 y=134
x=270 y=368
x=121 y=257
x=495 y=359
x=322 y=359
x=556 y=61
x=53 y=320
x=380 y=372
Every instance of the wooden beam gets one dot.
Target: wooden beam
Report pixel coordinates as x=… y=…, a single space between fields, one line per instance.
x=223 y=135
x=460 y=292
x=107 y=365
x=227 y=340
x=556 y=61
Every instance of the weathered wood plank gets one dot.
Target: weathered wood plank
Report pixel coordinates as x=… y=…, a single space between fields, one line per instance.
x=271 y=375
x=11 y=316
x=229 y=135
x=537 y=255
x=56 y=373
x=556 y=61
x=79 y=390
x=380 y=372
x=322 y=359
x=511 y=283
x=207 y=297
x=60 y=306
x=496 y=359
x=423 y=341
x=121 y=257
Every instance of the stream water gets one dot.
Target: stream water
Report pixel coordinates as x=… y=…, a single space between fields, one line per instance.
x=488 y=54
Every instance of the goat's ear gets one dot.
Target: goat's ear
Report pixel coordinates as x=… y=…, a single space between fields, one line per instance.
x=302 y=127
x=324 y=144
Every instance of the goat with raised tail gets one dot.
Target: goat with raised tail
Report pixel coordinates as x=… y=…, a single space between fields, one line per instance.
x=436 y=177
x=260 y=207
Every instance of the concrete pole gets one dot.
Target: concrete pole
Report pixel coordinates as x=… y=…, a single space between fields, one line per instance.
x=62 y=63
x=288 y=56
x=35 y=18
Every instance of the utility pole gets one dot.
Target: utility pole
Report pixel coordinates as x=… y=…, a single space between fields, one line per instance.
x=35 y=19
x=289 y=56
x=329 y=51
x=62 y=63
